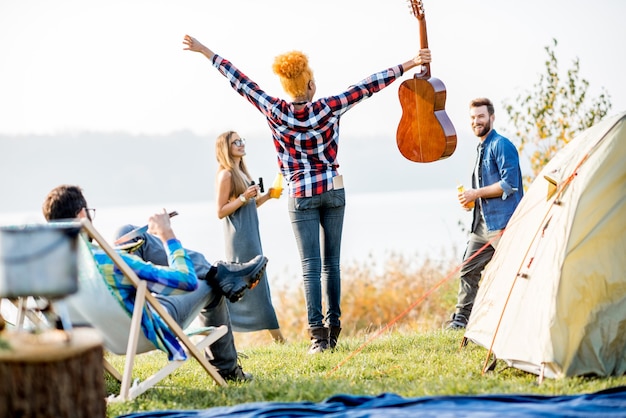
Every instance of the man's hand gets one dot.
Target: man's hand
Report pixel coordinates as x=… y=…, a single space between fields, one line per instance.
x=159 y=225
x=466 y=199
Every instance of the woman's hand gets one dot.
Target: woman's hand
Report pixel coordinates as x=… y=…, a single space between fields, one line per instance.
x=252 y=191
x=275 y=193
x=192 y=44
x=422 y=57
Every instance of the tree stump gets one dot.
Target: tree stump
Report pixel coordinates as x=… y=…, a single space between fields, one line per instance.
x=52 y=374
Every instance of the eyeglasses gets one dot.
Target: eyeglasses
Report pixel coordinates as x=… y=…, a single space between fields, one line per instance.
x=239 y=142
x=91 y=213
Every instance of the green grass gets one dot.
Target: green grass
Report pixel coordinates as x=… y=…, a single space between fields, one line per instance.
x=409 y=364
x=413 y=357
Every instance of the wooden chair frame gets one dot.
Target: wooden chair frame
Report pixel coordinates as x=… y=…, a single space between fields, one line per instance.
x=130 y=390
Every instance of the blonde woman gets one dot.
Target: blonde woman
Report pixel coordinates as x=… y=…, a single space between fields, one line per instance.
x=237 y=202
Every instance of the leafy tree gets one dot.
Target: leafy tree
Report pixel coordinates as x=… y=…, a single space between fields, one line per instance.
x=549 y=116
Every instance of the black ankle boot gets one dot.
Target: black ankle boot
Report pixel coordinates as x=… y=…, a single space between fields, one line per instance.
x=319 y=340
x=236 y=375
x=334 y=336
x=234 y=278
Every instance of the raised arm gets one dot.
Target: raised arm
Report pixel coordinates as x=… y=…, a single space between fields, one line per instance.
x=179 y=275
x=422 y=57
x=159 y=225
x=192 y=44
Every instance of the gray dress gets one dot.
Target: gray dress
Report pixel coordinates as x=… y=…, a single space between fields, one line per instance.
x=253 y=312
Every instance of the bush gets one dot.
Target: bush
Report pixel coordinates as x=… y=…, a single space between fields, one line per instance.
x=410 y=293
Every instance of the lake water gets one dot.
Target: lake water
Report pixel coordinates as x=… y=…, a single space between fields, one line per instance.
x=422 y=224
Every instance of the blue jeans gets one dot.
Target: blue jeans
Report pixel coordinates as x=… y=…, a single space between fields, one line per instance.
x=314 y=219
x=185 y=307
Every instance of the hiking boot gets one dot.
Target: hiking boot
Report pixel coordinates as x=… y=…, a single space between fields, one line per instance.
x=234 y=278
x=333 y=336
x=319 y=340
x=237 y=375
x=457 y=321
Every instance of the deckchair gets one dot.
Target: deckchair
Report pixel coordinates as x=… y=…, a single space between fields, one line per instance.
x=94 y=305
x=21 y=313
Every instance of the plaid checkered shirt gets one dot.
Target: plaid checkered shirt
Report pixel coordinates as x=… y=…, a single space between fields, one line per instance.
x=306 y=139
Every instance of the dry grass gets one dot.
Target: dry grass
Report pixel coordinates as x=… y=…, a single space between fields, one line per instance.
x=406 y=293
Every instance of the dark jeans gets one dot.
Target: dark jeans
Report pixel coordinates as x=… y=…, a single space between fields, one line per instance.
x=205 y=300
x=317 y=224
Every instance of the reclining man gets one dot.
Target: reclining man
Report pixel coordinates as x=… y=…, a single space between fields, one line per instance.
x=182 y=289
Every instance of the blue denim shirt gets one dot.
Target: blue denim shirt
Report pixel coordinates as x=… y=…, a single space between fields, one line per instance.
x=499 y=163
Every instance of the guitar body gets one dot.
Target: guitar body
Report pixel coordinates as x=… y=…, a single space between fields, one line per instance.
x=425 y=132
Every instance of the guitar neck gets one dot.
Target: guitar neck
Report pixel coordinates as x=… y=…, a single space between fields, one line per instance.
x=423 y=33
x=424 y=43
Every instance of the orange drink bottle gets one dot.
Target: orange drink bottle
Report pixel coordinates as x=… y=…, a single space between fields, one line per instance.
x=461 y=189
x=277 y=186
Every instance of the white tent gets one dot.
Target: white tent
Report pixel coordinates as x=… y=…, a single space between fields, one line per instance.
x=552 y=301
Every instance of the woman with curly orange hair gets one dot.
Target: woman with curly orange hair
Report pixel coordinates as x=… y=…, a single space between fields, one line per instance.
x=306 y=138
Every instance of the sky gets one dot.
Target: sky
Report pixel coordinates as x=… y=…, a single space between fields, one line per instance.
x=71 y=66
x=118 y=66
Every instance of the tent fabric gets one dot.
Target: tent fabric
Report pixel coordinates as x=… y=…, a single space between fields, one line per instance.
x=552 y=301
x=609 y=403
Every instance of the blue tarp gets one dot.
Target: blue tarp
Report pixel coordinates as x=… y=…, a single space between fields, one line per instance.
x=607 y=403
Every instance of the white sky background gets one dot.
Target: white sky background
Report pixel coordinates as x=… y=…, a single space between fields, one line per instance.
x=118 y=65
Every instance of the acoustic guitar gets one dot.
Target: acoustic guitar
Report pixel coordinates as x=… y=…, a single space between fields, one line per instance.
x=425 y=132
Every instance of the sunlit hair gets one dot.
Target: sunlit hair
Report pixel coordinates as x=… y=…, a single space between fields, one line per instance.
x=483 y=101
x=225 y=161
x=63 y=202
x=293 y=70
